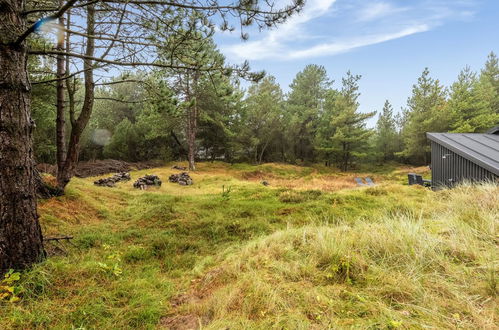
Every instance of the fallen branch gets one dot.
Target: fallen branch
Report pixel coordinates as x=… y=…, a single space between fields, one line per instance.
x=58 y=238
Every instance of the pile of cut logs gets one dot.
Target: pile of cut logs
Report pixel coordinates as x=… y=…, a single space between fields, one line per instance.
x=147 y=180
x=111 y=181
x=182 y=179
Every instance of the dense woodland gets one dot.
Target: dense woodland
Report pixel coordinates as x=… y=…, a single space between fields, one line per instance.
x=144 y=117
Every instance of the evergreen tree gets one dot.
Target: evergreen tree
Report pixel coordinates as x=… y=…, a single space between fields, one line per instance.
x=400 y=119
x=123 y=143
x=304 y=106
x=426 y=112
x=325 y=130
x=470 y=103
x=490 y=76
x=220 y=101
x=386 y=133
x=262 y=116
x=205 y=60
x=350 y=139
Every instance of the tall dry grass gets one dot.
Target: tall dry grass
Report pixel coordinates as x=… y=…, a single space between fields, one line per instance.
x=406 y=270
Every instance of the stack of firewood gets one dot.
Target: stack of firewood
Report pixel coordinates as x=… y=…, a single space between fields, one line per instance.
x=182 y=179
x=111 y=181
x=147 y=180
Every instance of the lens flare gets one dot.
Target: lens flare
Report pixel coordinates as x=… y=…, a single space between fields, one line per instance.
x=101 y=137
x=50 y=26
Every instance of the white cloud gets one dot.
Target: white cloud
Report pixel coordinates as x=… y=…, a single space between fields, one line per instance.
x=347 y=45
x=291 y=30
x=321 y=30
x=378 y=10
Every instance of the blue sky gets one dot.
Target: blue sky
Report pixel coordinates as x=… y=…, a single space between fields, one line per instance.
x=388 y=42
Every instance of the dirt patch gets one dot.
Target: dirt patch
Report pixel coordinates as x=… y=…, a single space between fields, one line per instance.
x=180 y=322
x=101 y=167
x=183 y=299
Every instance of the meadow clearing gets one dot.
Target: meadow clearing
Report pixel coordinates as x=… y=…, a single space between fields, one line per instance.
x=310 y=251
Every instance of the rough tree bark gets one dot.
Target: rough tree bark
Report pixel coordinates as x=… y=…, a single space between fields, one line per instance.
x=60 y=120
x=21 y=242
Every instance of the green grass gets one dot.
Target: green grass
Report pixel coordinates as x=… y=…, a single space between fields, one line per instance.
x=321 y=254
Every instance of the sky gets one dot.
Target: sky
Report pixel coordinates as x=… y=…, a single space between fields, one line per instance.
x=388 y=42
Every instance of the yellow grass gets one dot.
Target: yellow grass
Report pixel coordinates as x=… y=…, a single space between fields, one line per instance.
x=310 y=251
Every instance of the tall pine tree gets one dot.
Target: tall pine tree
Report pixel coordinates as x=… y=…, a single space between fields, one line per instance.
x=426 y=112
x=471 y=103
x=262 y=117
x=386 y=133
x=304 y=106
x=350 y=139
x=490 y=76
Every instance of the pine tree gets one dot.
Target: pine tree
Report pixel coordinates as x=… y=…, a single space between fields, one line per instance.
x=202 y=53
x=470 y=103
x=220 y=101
x=386 y=133
x=350 y=139
x=490 y=76
x=426 y=112
x=262 y=117
x=325 y=130
x=304 y=106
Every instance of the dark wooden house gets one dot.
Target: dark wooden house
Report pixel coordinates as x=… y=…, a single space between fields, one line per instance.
x=458 y=157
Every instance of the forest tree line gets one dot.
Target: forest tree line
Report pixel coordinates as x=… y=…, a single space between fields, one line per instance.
x=141 y=117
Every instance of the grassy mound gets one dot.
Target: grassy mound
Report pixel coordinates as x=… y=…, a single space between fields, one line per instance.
x=406 y=270
x=310 y=250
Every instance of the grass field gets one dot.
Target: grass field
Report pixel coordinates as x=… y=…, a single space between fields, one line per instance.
x=310 y=251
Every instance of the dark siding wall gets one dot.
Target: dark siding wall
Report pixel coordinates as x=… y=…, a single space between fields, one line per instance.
x=453 y=168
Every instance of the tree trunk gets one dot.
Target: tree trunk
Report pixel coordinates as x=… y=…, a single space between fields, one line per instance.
x=191 y=137
x=344 y=164
x=260 y=158
x=21 y=242
x=78 y=125
x=177 y=141
x=192 y=124
x=60 y=120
